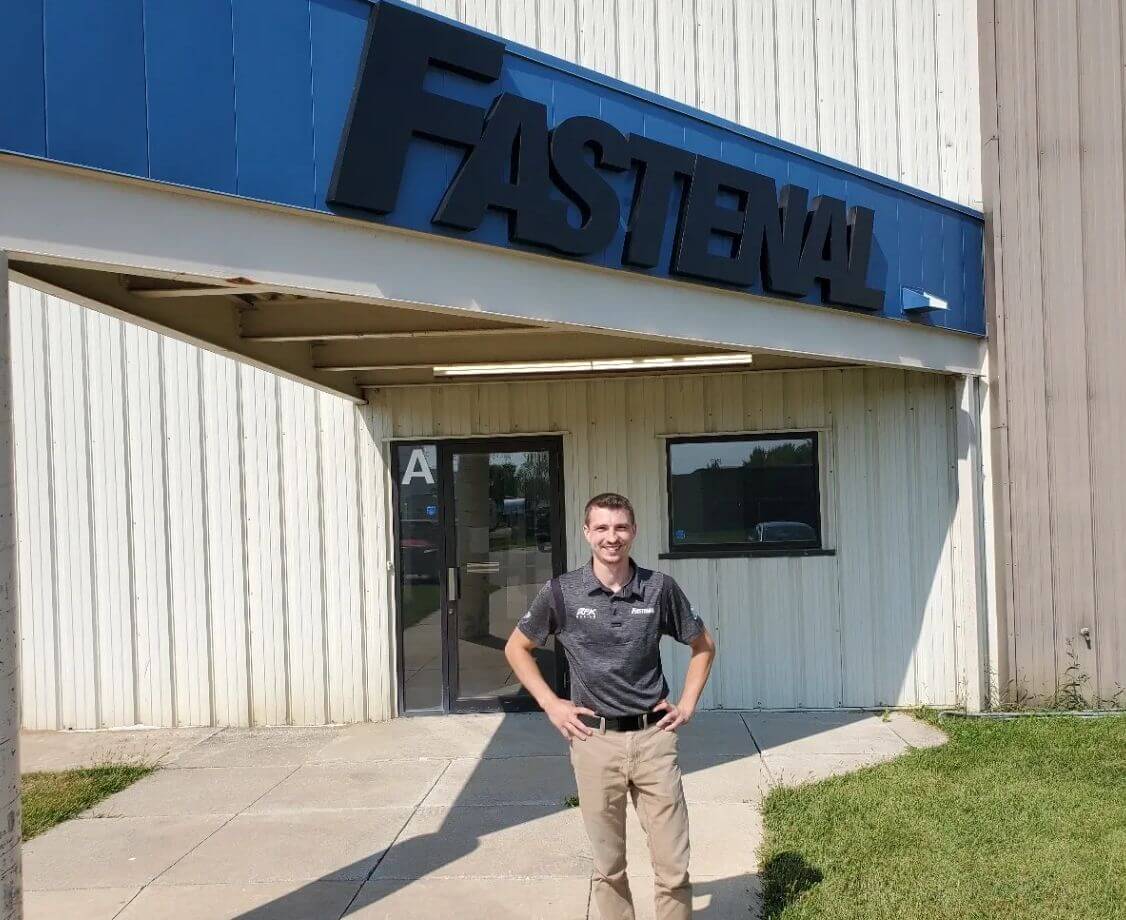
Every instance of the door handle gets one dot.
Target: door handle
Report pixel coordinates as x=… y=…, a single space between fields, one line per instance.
x=451 y=583
x=482 y=568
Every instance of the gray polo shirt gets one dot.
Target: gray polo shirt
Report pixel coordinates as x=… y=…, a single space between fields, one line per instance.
x=613 y=641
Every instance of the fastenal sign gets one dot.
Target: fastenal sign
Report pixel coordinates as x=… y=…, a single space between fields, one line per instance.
x=451 y=131
x=388 y=113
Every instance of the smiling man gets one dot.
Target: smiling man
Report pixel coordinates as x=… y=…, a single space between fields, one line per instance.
x=609 y=616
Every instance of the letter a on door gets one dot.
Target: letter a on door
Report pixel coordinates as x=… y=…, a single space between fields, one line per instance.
x=416 y=467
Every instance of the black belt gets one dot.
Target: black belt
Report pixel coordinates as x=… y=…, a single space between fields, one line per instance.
x=624 y=723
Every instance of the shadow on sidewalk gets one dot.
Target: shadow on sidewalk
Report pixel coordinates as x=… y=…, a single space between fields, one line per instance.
x=423 y=856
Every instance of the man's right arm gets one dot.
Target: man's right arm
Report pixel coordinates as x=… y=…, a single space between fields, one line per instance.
x=532 y=630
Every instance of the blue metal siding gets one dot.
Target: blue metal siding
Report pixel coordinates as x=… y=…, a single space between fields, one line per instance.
x=274 y=98
x=23 y=114
x=191 y=122
x=249 y=97
x=337 y=37
x=95 y=81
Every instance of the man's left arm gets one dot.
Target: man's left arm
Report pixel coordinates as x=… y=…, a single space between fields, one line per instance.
x=681 y=622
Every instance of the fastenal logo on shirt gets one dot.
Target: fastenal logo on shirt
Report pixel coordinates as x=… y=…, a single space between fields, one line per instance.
x=586 y=613
x=642 y=610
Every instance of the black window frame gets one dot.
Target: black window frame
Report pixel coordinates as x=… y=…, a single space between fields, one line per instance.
x=746 y=548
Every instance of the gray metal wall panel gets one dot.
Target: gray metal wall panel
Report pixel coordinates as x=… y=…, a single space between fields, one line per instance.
x=1053 y=105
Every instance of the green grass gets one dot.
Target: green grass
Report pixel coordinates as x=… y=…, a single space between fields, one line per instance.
x=50 y=798
x=1014 y=820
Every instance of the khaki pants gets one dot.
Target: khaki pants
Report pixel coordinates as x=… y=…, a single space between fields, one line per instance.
x=607 y=765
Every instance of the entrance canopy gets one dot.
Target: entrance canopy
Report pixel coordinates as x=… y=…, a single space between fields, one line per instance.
x=362 y=194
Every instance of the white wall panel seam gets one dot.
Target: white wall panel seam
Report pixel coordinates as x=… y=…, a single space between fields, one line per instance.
x=818 y=132
x=695 y=101
x=855 y=49
x=833 y=487
x=893 y=7
x=170 y=611
x=1042 y=358
x=209 y=618
x=1088 y=298
x=130 y=511
x=49 y=441
x=617 y=18
x=737 y=104
x=953 y=537
x=999 y=340
x=248 y=639
x=283 y=579
x=326 y=658
x=91 y=555
x=774 y=58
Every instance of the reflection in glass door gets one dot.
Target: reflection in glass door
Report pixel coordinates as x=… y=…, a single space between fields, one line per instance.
x=420 y=562
x=504 y=542
x=479 y=531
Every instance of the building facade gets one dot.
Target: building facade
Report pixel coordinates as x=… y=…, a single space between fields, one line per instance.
x=244 y=496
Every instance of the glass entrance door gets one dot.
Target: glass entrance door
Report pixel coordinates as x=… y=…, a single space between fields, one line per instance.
x=479 y=532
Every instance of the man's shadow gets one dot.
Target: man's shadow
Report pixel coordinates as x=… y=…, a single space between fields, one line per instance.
x=417 y=857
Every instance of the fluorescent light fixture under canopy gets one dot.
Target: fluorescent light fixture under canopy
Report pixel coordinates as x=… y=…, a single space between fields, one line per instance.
x=589 y=365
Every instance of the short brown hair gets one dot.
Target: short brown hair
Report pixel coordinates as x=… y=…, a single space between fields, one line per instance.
x=614 y=502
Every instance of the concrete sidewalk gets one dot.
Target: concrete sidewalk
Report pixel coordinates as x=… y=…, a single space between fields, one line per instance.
x=414 y=818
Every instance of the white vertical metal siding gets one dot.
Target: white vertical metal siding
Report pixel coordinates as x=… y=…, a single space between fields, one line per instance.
x=872 y=625
x=890 y=87
x=200 y=543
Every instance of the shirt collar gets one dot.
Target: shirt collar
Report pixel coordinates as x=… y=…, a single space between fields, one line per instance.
x=633 y=589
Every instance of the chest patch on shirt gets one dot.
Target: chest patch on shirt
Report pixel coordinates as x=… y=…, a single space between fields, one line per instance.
x=640 y=610
x=586 y=613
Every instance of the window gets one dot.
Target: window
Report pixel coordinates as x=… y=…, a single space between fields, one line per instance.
x=744 y=493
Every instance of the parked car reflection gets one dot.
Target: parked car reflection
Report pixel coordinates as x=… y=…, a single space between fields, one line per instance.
x=419 y=546
x=782 y=532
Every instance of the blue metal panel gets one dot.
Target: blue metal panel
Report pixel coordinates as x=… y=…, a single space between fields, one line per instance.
x=973 y=279
x=95 y=84
x=23 y=115
x=191 y=93
x=338 y=37
x=274 y=101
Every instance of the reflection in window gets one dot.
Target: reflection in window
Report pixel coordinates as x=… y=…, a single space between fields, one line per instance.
x=744 y=492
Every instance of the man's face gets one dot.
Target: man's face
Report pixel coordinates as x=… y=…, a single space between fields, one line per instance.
x=610 y=534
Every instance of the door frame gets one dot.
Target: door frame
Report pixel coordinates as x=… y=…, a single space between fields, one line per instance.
x=446 y=447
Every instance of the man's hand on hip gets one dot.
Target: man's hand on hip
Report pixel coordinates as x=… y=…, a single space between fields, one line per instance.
x=564 y=715
x=674 y=717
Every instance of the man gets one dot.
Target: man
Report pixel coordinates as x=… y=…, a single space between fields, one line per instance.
x=609 y=617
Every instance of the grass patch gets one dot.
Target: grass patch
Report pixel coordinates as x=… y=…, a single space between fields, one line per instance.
x=1015 y=820
x=51 y=798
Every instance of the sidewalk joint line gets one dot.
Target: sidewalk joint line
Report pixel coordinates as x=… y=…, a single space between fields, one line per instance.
x=394 y=840
x=122 y=909
x=230 y=818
